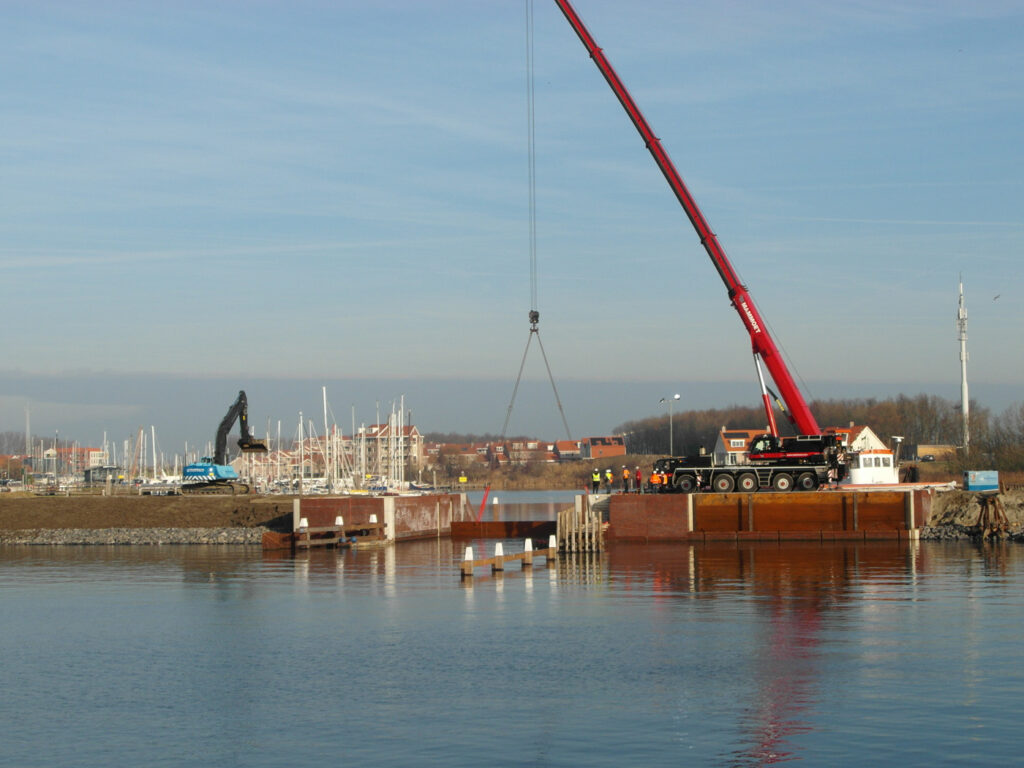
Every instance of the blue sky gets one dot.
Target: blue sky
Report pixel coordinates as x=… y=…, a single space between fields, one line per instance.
x=336 y=193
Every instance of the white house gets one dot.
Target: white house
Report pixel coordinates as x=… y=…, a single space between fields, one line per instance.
x=871 y=462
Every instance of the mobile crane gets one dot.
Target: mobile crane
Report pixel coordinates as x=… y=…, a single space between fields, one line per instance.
x=214 y=474
x=776 y=462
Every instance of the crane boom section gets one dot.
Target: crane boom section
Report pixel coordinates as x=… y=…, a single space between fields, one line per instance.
x=761 y=341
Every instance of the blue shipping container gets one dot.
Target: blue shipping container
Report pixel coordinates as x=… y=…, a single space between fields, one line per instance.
x=984 y=480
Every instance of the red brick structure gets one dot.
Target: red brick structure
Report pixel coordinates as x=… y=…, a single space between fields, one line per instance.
x=602 y=447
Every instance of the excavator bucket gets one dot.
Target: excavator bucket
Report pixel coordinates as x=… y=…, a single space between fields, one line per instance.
x=253 y=445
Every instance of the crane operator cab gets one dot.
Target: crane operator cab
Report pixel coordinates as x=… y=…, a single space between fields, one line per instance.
x=763 y=444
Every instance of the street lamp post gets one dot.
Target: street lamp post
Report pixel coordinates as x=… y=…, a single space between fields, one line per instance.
x=670 y=400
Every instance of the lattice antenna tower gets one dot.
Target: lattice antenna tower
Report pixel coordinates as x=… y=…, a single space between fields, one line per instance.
x=961 y=324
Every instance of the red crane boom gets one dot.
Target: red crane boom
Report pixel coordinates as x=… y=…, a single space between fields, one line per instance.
x=761 y=341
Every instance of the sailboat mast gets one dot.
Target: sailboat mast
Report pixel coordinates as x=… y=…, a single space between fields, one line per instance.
x=961 y=322
x=327 y=442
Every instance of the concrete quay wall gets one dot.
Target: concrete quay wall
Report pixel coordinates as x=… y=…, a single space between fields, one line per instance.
x=404 y=517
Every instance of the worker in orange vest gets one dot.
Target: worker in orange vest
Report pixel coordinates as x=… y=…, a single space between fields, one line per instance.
x=626 y=477
x=655 y=482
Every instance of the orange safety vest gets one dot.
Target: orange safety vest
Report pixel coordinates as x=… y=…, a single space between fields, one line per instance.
x=655 y=478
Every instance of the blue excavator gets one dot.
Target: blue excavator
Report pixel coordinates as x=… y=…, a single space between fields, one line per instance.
x=213 y=474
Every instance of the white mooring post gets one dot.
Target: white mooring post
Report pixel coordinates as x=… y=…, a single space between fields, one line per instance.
x=499 y=553
x=552 y=554
x=908 y=511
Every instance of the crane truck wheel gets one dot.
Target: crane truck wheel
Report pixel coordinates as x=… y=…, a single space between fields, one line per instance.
x=747 y=482
x=807 y=481
x=686 y=483
x=724 y=484
x=782 y=482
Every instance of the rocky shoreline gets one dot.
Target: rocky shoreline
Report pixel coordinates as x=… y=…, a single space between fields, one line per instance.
x=954 y=532
x=254 y=536
x=134 y=536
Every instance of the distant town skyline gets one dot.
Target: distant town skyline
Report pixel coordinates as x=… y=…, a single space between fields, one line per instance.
x=203 y=193
x=184 y=411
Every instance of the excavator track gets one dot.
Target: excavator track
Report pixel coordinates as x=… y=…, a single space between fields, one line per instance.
x=215 y=489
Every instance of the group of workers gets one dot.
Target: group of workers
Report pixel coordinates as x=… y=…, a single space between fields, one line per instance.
x=628 y=481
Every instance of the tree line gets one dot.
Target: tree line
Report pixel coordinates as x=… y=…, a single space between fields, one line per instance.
x=13 y=443
x=919 y=420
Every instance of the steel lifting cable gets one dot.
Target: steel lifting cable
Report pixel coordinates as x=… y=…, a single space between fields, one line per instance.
x=508 y=414
x=532 y=160
x=532 y=183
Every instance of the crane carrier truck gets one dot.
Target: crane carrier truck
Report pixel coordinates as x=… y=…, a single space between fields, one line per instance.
x=803 y=462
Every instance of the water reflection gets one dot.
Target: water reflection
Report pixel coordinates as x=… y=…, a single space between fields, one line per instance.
x=521 y=505
x=796 y=590
x=582 y=568
x=746 y=654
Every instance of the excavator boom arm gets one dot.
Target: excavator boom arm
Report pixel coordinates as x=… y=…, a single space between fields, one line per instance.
x=761 y=341
x=239 y=411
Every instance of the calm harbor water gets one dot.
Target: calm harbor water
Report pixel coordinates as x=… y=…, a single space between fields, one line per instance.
x=885 y=654
x=520 y=505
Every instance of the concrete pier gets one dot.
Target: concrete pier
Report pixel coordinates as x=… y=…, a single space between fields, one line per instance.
x=400 y=517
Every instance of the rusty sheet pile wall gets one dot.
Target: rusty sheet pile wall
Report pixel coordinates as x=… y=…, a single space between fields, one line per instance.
x=769 y=516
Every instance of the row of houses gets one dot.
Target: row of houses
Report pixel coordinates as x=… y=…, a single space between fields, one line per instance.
x=375 y=449
x=378 y=444
x=381 y=448
x=520 y=452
